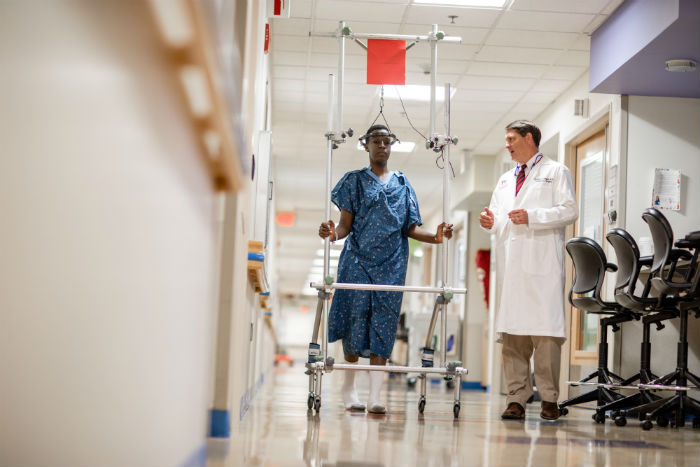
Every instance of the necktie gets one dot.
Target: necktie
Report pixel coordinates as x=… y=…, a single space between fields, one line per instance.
x=520 y=179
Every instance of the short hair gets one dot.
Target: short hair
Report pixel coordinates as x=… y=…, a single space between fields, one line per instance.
x=365 y=138
x=377 y=127
x=523 y=127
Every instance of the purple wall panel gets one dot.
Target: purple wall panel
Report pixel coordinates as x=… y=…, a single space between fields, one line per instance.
x=629 y=51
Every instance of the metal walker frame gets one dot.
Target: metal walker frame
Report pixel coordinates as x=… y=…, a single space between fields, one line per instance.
x=318 y=360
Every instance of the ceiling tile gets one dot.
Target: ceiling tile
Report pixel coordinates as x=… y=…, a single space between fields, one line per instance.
x=539 y=97
x=470 y=95
x=468 y=35
x=564 y=72
x=358 y=11
x=297 y=27
x=506 y=69
x=496 y=83
x=288 y=58
x=544 y=21
x=492 y=53
x=566 y=6
x=289 y=72
x=551 y=85
x=582 y=42
x=542 y=39
x=301 y=8
x=466 y=17
x=575 y=58
x=284 y=42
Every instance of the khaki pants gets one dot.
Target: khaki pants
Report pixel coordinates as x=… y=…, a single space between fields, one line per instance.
x=517 y=351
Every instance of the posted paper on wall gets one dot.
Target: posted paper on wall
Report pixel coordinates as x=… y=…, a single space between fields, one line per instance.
x=667 y=189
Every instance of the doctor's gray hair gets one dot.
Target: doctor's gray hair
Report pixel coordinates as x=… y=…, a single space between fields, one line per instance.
x=523 y=127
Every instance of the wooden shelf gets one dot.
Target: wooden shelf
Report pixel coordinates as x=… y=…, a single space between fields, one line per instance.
x=256 y=267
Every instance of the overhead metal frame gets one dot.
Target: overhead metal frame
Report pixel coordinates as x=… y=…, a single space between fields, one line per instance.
x=318 y=359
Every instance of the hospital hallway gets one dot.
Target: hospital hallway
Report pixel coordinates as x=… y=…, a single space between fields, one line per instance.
x=201 y=200
x=278 y=430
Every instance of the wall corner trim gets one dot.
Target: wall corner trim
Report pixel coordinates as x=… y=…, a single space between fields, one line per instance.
x=220 y=424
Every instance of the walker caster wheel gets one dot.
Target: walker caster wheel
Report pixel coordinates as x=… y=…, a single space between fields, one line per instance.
x=563 y=411
x=310 y=401
x=646 y=425
x=599 y=417
x=317 y=403
x=455 y=409
x=620 y=420
x=662 y=421
x=421 y=404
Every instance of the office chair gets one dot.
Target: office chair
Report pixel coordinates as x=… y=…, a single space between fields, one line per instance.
x=629 y=267
x=590 y=266
x=685 y=294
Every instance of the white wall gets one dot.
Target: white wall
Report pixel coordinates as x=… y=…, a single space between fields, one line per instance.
x=108 y=242
x=663 y=132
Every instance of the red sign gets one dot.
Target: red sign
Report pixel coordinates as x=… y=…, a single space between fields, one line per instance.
x=267 y=38
x=386 y=62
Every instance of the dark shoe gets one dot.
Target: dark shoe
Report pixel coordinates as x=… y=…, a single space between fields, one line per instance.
x=550 y=410
x=514 y=411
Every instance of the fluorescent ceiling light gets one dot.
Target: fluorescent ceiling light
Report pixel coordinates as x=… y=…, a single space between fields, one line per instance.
x=415 y=92
x=464 y=3
x=402 y=146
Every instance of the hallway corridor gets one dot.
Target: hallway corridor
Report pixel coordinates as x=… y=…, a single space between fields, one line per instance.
x=278 y=430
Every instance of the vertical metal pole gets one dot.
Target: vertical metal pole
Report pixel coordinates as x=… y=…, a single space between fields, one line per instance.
x=327 y=243
x=341 y=77
x=446 y=170
x=433 y=78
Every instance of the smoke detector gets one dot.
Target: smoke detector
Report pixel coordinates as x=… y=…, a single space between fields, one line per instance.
x=681 y=65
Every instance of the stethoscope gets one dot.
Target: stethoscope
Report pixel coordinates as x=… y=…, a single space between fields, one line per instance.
x=517 y=167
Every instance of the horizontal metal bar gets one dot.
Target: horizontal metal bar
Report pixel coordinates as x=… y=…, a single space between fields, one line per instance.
x=646 y=387
x=396 y=37
x=398 y=369
x=387 y=288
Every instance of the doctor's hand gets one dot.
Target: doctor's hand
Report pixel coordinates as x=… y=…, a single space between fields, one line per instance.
x=518 y=216
x=486 y=218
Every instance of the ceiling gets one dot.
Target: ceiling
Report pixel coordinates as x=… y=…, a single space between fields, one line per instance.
x=512 y=63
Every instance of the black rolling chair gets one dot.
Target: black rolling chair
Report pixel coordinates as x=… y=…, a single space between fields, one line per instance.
x=629 y=267
x=683 y=290
x=590 y=266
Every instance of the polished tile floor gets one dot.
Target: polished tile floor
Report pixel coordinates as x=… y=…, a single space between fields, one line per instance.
x=278 y=430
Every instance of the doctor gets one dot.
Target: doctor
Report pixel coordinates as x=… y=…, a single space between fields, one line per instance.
x=530 y=208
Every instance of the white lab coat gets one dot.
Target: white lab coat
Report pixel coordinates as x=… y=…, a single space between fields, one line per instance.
x=530 y=258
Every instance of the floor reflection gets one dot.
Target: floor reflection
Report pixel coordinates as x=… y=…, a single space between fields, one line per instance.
x=279 y=430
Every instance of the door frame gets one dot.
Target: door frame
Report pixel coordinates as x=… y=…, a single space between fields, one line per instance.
x=593 y=125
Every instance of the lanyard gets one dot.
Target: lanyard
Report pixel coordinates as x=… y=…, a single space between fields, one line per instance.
x=517 y=167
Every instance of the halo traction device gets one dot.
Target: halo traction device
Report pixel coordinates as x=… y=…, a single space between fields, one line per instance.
x=318 y=360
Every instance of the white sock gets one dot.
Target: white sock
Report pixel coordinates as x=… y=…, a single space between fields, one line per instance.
x=350 y=399
x=375 y=387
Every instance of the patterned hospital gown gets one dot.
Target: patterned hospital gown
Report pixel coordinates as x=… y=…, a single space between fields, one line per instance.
x=375 y=252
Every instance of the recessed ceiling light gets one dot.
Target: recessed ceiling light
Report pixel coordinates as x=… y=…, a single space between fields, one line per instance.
x=401 y=146
x=464 y=3
x=416 y=92
x=681 y=65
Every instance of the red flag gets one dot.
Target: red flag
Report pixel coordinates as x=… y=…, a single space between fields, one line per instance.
x=386 y=62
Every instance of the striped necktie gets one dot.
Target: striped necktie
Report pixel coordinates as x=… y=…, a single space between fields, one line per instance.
x=520 y=179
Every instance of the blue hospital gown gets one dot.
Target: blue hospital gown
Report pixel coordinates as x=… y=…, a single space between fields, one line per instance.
x=375 y=252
